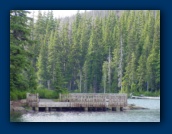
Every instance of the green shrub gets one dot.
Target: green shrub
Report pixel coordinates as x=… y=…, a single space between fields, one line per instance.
x=13 y=96
x=43 y=93
x=147 y=93
x=156 y=93
x=75 y=91
x=47 y=94
x=17 y=95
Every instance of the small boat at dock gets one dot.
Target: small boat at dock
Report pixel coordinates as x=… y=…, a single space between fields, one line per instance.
x=144 y=97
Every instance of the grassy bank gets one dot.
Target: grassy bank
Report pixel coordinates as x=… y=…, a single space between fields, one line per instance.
x=17 y=95
x=43 y=93
x=153 y=94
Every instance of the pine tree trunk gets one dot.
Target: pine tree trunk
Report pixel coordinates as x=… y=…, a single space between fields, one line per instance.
x=109 y=71
x=48 y=84
x=120 y=65
x=80 y=81
x=85 y=82
x=105 y=83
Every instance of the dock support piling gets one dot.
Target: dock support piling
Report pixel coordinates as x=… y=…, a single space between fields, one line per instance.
x=117 y=109
x=36 y=109
x=47 y=109
x=110 y=108
x=113 y=109
x=86 y=108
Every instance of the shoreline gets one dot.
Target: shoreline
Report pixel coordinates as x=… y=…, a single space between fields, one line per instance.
x=21 y=107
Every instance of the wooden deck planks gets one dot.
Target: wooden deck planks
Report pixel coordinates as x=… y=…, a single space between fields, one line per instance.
x=84 y=100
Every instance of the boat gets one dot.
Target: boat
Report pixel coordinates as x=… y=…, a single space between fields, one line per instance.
x=144 y=97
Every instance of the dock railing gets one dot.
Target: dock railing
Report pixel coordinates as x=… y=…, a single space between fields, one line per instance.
x=32 y=99
x=84 y=101
x=95 y=99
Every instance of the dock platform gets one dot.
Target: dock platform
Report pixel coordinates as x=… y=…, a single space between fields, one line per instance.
x=80 y=102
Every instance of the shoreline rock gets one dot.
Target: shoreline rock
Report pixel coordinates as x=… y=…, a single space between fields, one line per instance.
x=133 y=107
x=18 y=106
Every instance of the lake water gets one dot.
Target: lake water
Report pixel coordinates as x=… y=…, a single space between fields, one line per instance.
x=149 y=115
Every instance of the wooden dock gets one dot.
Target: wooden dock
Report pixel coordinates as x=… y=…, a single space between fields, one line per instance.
x=81 y=102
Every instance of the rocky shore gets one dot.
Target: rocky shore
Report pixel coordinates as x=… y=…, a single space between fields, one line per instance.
x=133 y=107
x=19 y=106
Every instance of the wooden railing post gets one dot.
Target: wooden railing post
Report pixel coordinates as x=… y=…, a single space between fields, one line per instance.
x=60 y=97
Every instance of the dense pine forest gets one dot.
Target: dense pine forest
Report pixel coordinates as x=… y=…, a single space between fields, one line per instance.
x=93 y=52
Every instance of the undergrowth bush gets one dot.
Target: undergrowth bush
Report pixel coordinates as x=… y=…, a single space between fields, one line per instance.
x=17 y=95
x=43 y=93
x=46 y=94
x=147 y=93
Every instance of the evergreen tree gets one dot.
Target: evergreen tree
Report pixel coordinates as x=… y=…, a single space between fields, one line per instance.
x=154 y=58
x=97 y=51
x=94 y=57
x=19 y=54
x=105 y=75
x=42 y=65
